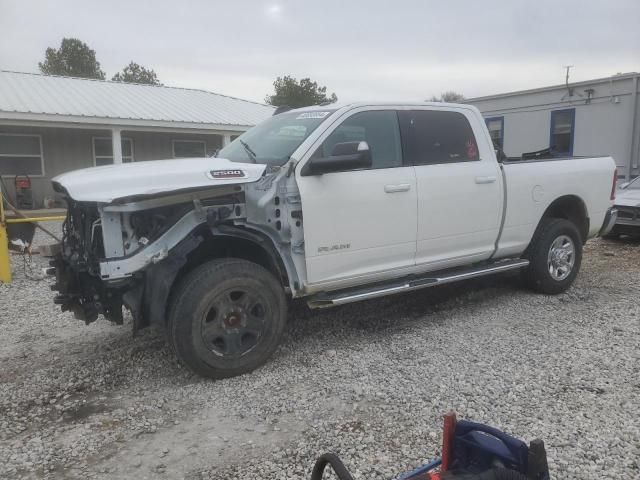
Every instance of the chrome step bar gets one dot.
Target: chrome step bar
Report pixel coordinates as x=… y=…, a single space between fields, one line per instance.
x=342 y=297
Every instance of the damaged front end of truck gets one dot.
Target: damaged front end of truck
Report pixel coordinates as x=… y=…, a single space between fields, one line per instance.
x=132 y=229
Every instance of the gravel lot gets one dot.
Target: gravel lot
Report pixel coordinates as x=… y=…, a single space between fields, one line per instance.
x=369 y=381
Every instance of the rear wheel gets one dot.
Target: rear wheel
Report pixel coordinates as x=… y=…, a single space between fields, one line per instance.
x=226 y=318
x=555 y=255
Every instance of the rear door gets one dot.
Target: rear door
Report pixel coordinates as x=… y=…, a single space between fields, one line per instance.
x=360 y=223
x=459 y=186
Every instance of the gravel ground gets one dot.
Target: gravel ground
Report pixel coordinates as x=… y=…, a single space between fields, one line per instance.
x=369 y=381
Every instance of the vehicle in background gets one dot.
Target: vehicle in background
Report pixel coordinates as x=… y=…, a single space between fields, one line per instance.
x=331 y=204
x=628 y=205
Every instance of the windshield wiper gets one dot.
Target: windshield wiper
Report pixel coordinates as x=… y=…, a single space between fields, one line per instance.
x=250 y=152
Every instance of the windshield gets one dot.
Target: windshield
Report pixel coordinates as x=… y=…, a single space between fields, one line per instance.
x=273 y=141
x=634 y=185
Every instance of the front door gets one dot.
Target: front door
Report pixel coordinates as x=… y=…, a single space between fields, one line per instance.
x=360 y=223
x=459 y=186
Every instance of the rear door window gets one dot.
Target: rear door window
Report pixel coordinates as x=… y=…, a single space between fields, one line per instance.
x=431 y=137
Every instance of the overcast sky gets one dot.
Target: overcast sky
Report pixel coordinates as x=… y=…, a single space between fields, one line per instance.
x=359 y=49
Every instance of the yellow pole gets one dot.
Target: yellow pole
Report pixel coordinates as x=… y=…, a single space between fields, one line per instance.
x=5 y=266
x=35 y=219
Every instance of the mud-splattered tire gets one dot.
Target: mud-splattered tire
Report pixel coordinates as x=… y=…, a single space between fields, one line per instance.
x=555 y=255
x=226 y=318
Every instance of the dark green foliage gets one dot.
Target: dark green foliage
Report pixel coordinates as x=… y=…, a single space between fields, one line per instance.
x=449 y=97
x=134 y=73
x=74 y=58
x=295 y=94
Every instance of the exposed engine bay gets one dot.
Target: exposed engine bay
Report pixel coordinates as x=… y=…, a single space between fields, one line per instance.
x=128 y=252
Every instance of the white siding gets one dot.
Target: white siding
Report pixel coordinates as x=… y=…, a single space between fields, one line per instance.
x=602 y=125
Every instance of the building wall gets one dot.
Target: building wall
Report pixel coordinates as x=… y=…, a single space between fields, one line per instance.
x=159 y=146
x=66 y=149
x=602 y=125
x=63 y=150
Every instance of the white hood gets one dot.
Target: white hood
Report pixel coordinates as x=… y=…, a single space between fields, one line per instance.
x=628 y=198
x=113 y=182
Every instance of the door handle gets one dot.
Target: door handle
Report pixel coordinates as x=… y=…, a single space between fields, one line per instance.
x=402 y=187
x=481 y=180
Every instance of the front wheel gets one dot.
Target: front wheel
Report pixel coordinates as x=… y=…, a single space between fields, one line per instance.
x=555 y=255
x=226 y=318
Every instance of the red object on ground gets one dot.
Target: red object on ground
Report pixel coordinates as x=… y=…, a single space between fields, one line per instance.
x=448 y=433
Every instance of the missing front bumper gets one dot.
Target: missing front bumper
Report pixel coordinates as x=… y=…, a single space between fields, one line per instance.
x=83 y=294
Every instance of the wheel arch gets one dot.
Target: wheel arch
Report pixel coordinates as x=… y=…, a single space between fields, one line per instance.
x=227 y=241
x=572 y=208
x=203 y=244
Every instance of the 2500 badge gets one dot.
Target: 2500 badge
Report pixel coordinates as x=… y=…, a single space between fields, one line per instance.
x=224 y=174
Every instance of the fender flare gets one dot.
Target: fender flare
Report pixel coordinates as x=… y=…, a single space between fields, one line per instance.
x=267 y=243
x=160 y=278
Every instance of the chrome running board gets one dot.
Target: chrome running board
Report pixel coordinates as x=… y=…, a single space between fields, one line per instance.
x=331 y=299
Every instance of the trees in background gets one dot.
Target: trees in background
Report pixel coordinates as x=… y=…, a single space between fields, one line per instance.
x=74 y=58
x=449 y=97
x=134 y=73
x=295 y=94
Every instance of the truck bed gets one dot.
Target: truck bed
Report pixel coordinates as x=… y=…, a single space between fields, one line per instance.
x=532 y=185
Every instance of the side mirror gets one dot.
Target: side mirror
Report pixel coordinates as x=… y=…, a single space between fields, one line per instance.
x=624 y=185
x=344 y=157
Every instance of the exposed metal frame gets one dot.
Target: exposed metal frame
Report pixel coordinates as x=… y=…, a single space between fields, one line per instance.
x=164 y=200
x=124 y=267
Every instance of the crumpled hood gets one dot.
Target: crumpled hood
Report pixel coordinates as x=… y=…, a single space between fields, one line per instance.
x=628 y=198
x=112 y=182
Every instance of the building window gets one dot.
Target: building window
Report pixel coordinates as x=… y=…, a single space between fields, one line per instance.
x=21 y=154
x=562 y=129
x=103 y=151
x=495 y=125
x=189 y=148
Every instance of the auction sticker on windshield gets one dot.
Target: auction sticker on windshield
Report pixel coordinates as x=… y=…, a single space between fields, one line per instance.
x=312 y=115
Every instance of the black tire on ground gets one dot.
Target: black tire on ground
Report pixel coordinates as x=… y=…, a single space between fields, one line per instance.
x=612 y=235
x=226 y=318
x=555 y=255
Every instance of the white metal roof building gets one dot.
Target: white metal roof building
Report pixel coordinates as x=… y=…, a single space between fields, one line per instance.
x=27 y=96
x=51 y=124
x=594 y=117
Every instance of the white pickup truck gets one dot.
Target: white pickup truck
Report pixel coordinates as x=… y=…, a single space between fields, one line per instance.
x=334 y=204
